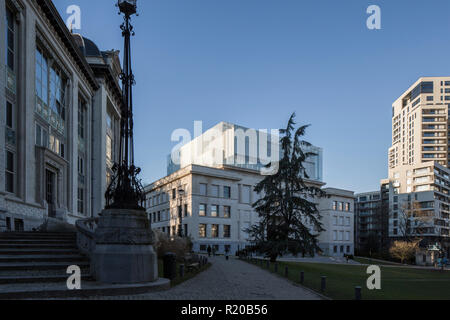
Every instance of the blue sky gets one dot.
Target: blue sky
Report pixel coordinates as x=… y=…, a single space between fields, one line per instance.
x=254 y=62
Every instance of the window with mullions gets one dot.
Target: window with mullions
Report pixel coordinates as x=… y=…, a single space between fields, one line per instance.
x=50 y=91
x=10 y=132
x=9 y=172
x=57 y=85
x=10 y=39
x=81 y=120
x=81 y=200
x=41 y=77
x=10 y=49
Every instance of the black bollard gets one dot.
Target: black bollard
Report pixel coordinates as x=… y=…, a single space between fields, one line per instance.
x=358 y=293
x=170 y=266
x=268 y=265
x=286 y=272
x=181 y=270
x=302 y=277
x=276 y=267
x=323 y=284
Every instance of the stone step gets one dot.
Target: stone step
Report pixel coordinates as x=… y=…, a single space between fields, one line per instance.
x=88 y=289
x=37 y=251
x=85 y=269
x=36 y=241
x=42 y=258
x=31 y=266
x=37 y=235
x=38 y=246
x=40 y=278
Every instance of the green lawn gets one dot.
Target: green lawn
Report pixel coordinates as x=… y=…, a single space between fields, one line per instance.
x=397 y=283
x=187 y=275
x=375 y=262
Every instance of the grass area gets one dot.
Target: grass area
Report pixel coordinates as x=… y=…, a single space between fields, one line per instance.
x=187 y=275
x=375 y=262
x=397 y=283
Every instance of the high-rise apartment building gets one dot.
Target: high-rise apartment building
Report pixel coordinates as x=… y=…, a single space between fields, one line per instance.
x=420 y=126
x=419 y=160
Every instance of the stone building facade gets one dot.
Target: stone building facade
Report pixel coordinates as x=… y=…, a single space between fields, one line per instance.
x=57 y=91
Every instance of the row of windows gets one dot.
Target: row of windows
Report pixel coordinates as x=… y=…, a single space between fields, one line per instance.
x=341 y=206
x=341 y=221
x=202 y=231
x=175 y=231
x=341 y=236
x=335 y=249
x=214 y=191
x=214 y=212
x=164 y=215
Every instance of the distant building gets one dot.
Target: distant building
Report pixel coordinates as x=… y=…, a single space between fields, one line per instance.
x=57 y=92
x=228 y=144
x=371 y=222
x=419 y=160
x=215 y=207
x=337 y=211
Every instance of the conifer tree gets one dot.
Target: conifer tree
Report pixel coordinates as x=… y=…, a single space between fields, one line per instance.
x=289 y=219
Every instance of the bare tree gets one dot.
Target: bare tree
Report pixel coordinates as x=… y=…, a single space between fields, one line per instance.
x=404 y=250
x=412 y=221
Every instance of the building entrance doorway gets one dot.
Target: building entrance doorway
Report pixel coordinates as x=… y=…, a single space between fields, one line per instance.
x=50 y=192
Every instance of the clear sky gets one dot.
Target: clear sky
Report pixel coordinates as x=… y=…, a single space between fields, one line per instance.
x=254 y=62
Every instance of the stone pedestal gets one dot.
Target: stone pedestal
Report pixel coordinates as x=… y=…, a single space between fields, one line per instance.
x=123 y=252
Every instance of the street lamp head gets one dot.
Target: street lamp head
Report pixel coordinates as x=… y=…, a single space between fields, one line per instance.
x=181 y=192
x=127 y=6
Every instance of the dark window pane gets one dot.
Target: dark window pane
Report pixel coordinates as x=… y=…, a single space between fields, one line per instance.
x=9 y=115
x=9 y=161
x=9 y=182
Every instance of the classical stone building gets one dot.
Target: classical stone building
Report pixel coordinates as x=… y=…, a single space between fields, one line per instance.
x=59 y=104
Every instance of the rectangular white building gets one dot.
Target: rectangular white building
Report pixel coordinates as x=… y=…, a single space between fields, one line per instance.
x=216 y=205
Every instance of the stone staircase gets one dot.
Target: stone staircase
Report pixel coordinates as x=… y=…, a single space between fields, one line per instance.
x=33 y=265
x=32 y=257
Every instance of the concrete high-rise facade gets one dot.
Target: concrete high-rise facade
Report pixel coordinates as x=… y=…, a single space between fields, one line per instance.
x=419 y=159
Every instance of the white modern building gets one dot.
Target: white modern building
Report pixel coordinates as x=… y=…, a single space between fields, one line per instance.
x=59 y=105
x=217 y=179
x=338 y=214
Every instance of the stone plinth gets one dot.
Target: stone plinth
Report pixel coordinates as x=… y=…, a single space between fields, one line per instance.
x=123 y=252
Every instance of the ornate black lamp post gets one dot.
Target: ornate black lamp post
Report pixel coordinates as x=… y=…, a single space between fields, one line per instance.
x=125 y=190
x=123 y=239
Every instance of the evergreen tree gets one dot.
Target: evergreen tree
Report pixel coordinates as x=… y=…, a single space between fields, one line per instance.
x=289 y=220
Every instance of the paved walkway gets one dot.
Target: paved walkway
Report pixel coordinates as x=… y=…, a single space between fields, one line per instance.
x=231 y=280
